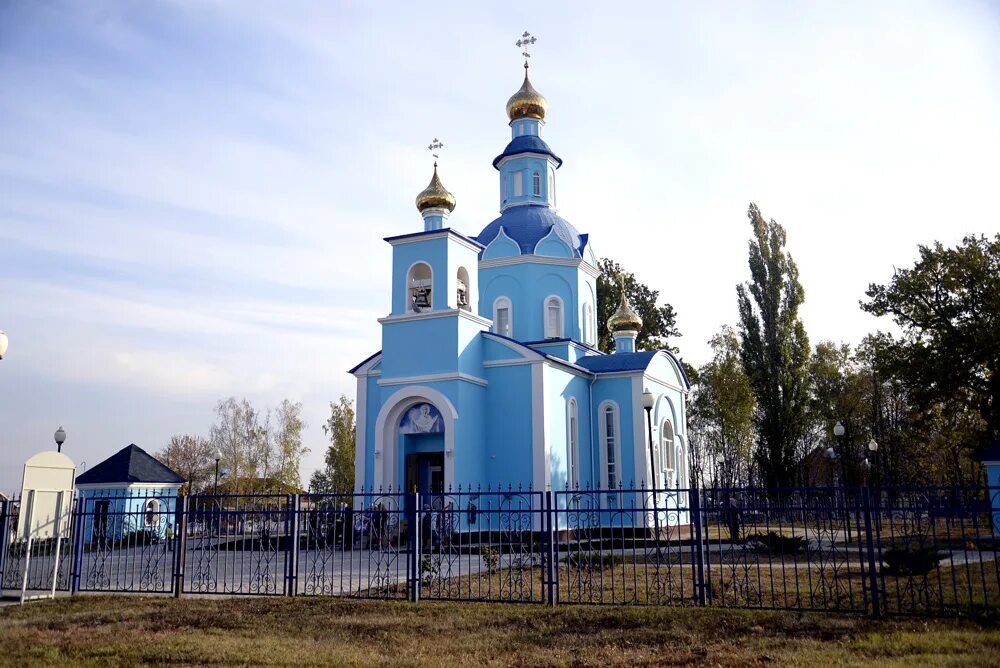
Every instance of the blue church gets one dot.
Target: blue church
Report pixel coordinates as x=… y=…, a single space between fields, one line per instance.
x=489 y=372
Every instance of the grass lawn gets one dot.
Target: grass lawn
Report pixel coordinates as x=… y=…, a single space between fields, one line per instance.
x=120 y=631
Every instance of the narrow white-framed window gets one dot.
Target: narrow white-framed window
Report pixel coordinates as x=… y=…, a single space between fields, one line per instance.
x=667 y=447
x=502 y=317
x=588 y=331
x=152 y=513
x=503 y=187
x=572 y=444
x=536 y=184
x=552 y=186
x=518 y=183
x=553 y=317
x=419 y=281
x=608 y=417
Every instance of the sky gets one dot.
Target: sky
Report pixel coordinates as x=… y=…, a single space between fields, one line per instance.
x=193 y=195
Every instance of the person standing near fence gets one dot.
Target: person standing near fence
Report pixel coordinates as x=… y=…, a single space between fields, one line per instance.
x=733 y=519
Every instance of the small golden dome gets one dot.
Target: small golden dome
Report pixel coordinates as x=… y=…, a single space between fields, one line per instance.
x=434 y=196
x=624 y=319
x=527 y=102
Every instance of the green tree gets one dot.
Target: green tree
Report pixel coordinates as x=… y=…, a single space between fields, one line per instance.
x=721 y=415
x=658 y=322
x=191 y=457
x=774 y=349
x=286 y=444
x=337 y=476
x=948 y=308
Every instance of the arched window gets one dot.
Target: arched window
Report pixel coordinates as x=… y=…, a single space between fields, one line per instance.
x=419 y=281
x=553 y=318
x=588 y=331
x=518 y=184
x=609 y=432
x=152 y=513
x=667 y=447
x=502 y=317
x=572 y=444
x=462 y=290
x=536 y=184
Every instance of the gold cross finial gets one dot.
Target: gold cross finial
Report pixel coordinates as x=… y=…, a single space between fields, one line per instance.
x=434 y=147
x=526 y=41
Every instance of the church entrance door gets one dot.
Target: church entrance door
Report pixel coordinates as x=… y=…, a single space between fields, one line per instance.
x=425 y=473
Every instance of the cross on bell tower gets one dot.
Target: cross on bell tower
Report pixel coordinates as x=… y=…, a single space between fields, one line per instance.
x=526 y=42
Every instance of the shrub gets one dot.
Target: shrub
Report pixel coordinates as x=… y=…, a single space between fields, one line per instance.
x=580 y=559
x=910 y=559
x=491 y=558
x=776 y=543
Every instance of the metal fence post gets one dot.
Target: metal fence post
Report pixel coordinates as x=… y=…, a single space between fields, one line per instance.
x=292 y=558
x=549 y=523
x=699 y=547
x=4 y=534
x=413 y=545
x=79 y=528
x=873 y=579
x=180 y=542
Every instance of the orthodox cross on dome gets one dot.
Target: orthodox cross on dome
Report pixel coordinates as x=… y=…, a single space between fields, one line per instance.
x=526 y=41
x=434 y=147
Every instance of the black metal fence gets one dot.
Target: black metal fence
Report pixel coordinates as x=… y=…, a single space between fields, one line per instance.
x=917 y=551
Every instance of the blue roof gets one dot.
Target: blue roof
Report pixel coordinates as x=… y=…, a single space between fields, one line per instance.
x=617 y=362
x=527 y=144
x=527 y=224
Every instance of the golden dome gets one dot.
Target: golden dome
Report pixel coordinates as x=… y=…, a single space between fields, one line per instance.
x=434 y=196
x=624 y=319
x=527 y=102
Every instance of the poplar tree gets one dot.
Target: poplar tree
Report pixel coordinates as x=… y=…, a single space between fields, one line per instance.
x=337 y=476
x=774 y=349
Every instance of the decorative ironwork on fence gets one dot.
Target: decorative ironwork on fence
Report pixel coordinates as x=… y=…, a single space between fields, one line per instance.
x=915 y=551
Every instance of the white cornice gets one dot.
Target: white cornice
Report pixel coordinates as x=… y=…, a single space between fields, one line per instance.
x=443 y=234
x=430 y=315
x=526 y=154
x=584 y=266
x=434 y=377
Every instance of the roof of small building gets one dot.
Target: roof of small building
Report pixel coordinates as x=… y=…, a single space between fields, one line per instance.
x=527 y=144
x=528 y=224
x=130 y=465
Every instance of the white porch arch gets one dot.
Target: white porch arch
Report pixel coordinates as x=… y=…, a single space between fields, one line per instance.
x=387 y=434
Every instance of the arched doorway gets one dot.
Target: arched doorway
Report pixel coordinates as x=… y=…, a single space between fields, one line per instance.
x=415 y=441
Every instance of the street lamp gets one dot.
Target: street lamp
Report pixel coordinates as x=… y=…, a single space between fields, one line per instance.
x=873 y=448
x=60 y=437
x=648 y=401
x=218 y=456
x=831 y=455
x=3 y=344
x=838 y=429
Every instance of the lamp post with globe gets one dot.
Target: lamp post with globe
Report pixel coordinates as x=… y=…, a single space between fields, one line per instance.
x=60 y=437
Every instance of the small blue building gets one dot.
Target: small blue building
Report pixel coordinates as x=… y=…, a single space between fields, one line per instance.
x=991 y=460
x=129 y=492
x=489 y=372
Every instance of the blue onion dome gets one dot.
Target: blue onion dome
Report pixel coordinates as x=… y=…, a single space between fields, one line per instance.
x=526 y=102
x=529 y=224
x=435 y=196
x=625 y=319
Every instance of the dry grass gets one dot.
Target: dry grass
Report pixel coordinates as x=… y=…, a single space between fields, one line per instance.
x=122 y=631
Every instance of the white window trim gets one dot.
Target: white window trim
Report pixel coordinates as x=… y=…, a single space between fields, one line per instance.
x=668 y=451
x=155 y=512
x=518 y=183
x=500 y=302
x=536 y=184
x=572 y=444
x=558 y=334
x=616 y=425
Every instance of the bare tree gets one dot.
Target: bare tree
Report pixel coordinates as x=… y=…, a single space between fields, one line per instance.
x=191 y=457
